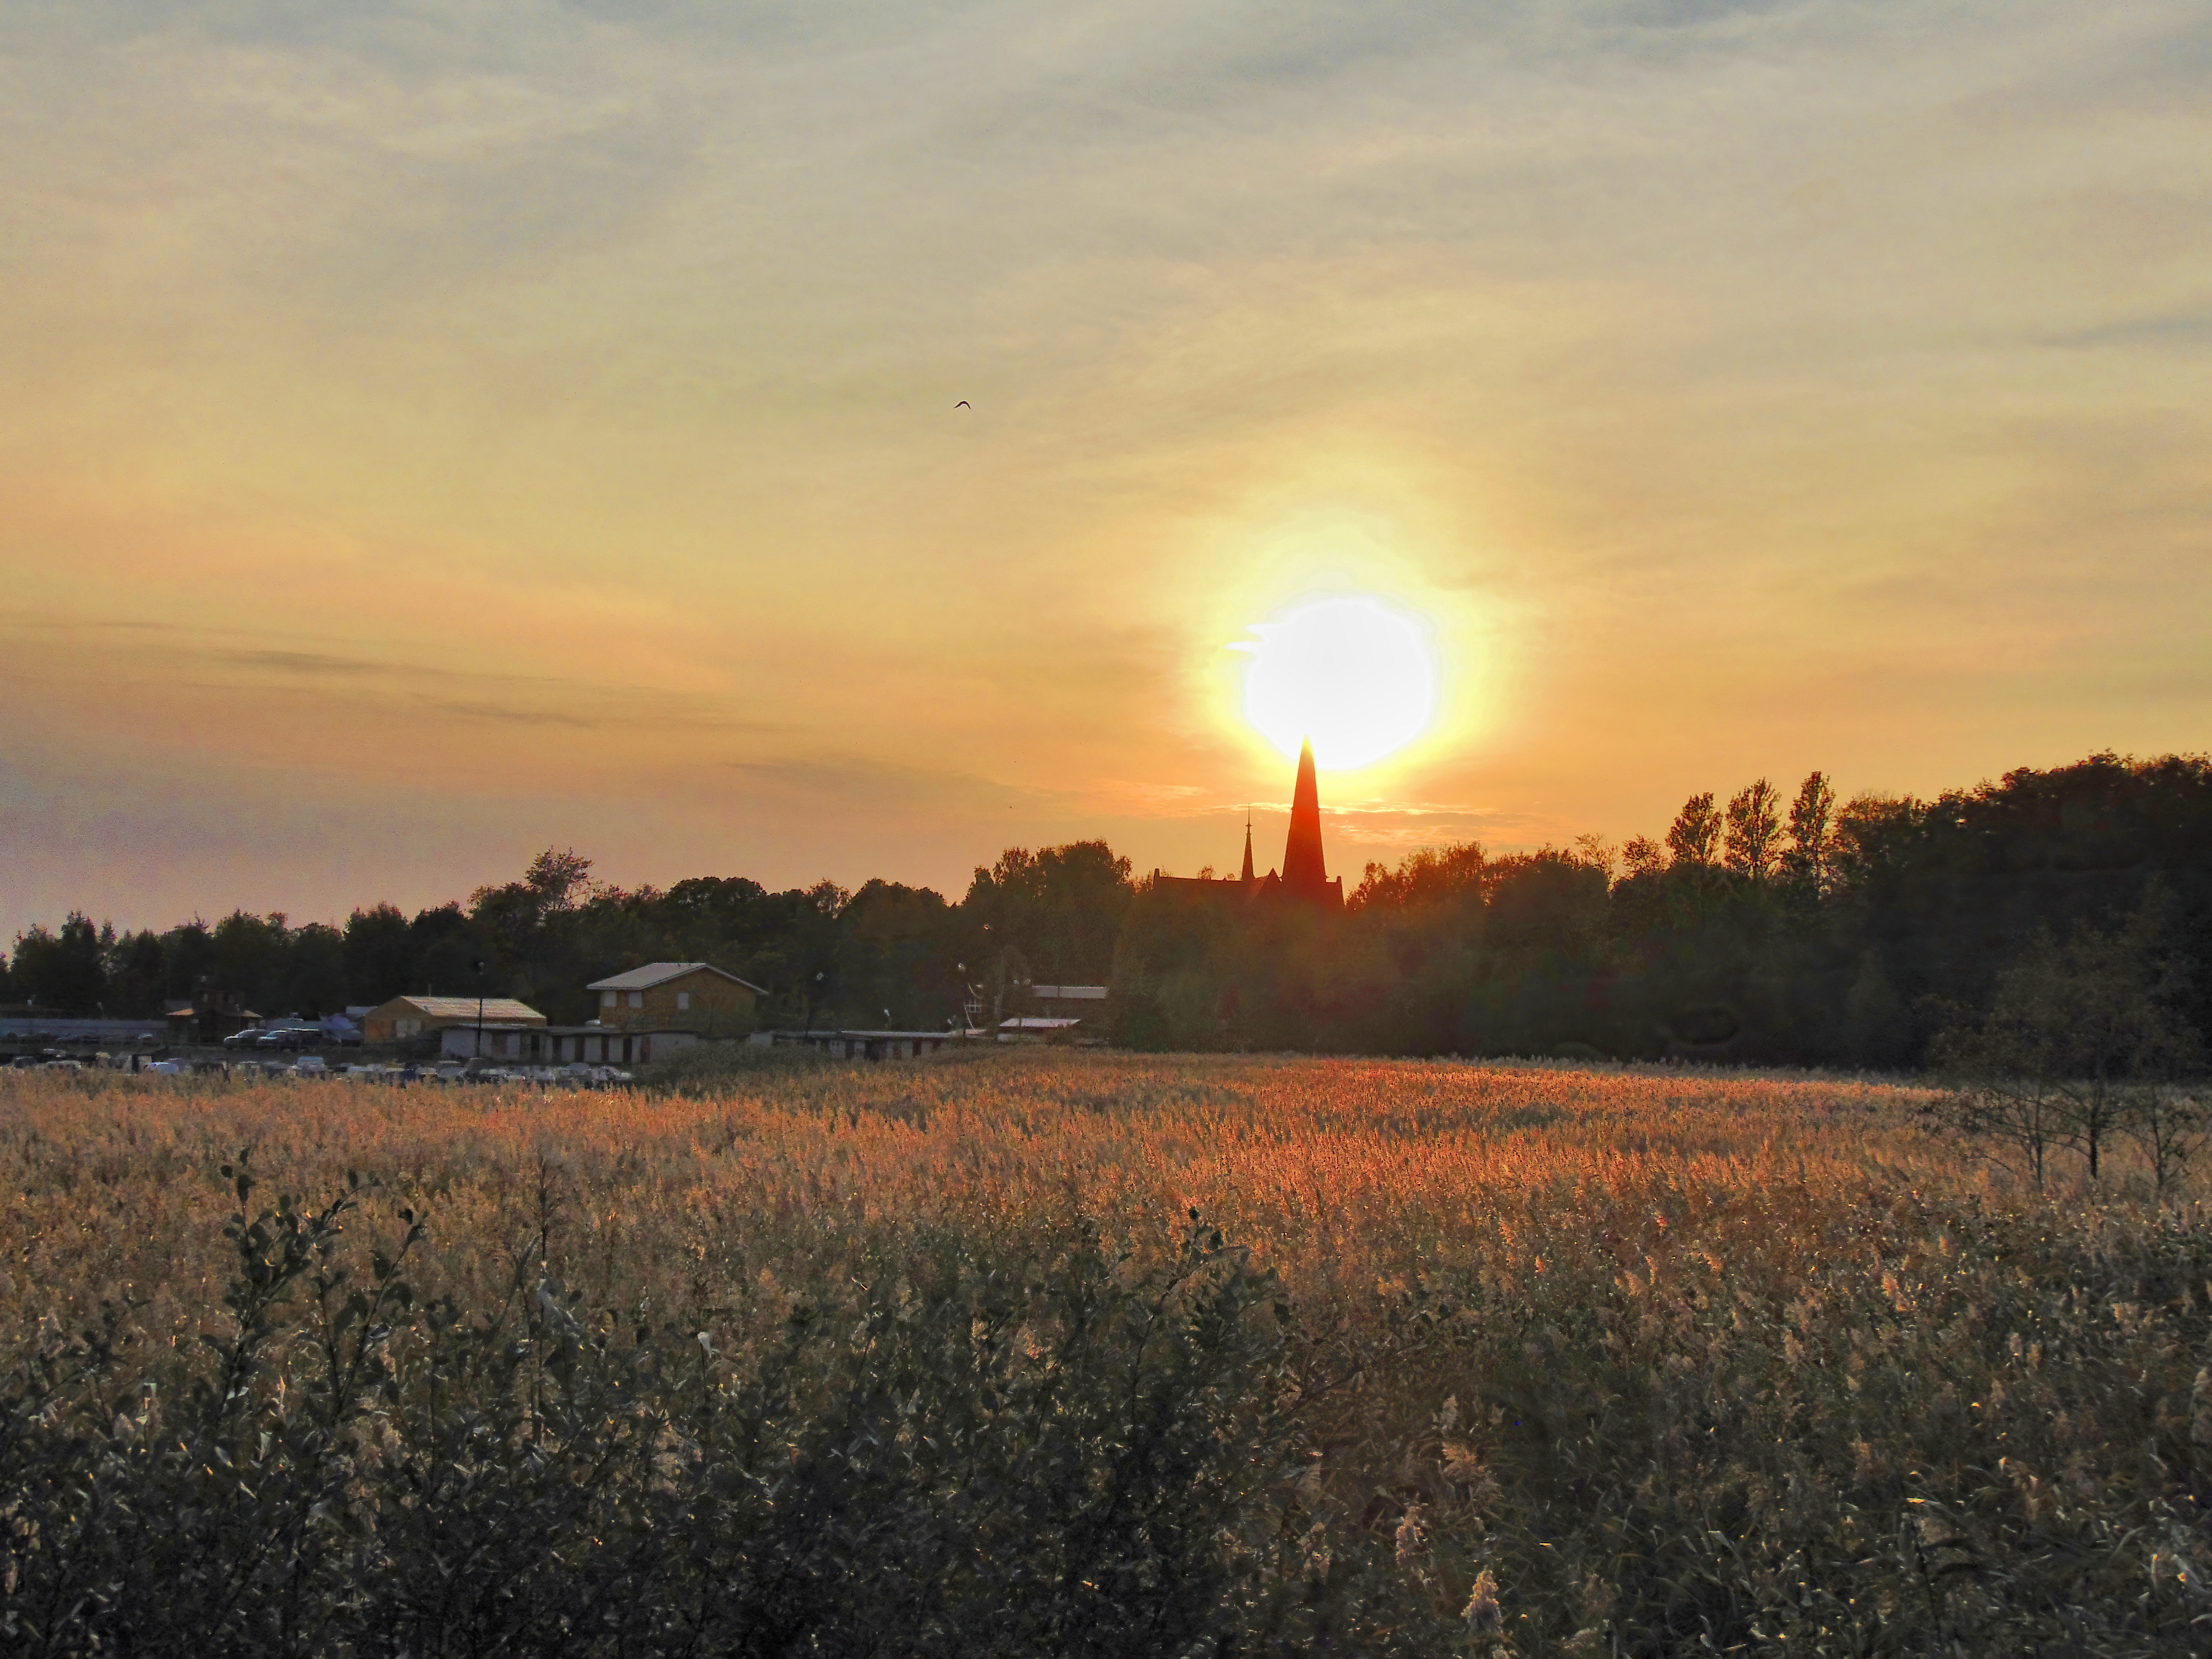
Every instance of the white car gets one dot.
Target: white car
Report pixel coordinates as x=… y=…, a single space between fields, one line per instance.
x=164 y=1068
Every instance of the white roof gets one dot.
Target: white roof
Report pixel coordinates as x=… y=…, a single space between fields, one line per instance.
x=659 y=973
x=1070 y=993
x=1031 y=1022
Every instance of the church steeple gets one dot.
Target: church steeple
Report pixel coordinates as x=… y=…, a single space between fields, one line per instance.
x=1303 y=868
x=1247 y=847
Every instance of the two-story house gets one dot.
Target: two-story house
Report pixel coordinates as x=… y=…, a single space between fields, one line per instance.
x=678 y=996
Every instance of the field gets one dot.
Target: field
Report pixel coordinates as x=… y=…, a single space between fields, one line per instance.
x=1067 y=1353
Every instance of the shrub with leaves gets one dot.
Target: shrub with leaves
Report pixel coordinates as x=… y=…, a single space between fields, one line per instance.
x=1076 y=1455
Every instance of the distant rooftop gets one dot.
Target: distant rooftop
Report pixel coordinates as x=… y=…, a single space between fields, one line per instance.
x=500 y=1008
x=659 y=973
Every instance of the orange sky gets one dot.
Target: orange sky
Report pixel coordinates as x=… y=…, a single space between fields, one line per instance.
x=431 y=434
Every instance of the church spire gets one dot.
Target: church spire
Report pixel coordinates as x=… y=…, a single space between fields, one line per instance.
x=1303 y=870
x=1247 y=847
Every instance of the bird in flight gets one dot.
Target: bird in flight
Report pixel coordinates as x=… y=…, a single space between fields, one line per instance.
x=963 y=404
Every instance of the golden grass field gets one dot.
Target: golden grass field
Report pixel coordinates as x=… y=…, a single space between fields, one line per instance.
x=1320 y=1164
x=1353 y=1179
x=1598 y=1340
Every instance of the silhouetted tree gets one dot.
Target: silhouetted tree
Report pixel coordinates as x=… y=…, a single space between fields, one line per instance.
x=1693 y=839
x=2077 y=1045
x=135 y=973
x=380 y=956
x=315 y=971
x=1753 y=832
x=187 y=960
x=64 y=972
x=897 y=952
x=445 y=948
x=1808 y=859
x=1640 y=855
x=1058 y=911
x=1449 y=875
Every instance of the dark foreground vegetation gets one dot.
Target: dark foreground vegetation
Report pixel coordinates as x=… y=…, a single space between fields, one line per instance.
x=1771 y=928
x=966 y=1456
x=1091 y=1356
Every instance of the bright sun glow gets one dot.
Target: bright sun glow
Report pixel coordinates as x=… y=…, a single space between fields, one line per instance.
x=1355 y=675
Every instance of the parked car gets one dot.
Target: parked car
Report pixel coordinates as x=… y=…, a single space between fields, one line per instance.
x=291 y=1036
x=24 y=1062
x=61 y=1066
x=166 y=1068
x=311 y=1065
x=246 y=1038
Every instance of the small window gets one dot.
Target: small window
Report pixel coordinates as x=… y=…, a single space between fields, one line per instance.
x=683 y=1001
x=606 y=999
x=637 y=999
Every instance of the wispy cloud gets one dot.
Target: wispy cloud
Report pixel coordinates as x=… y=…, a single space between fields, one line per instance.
x=303 y=662
x=2187 y=329
x=1739 y=387
x=492 y=711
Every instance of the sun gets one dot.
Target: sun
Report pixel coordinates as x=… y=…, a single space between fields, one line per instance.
x=1354 y=673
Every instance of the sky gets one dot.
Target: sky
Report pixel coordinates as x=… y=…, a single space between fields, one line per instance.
x=433 y=433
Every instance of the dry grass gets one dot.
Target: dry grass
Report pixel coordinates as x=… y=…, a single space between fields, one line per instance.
x=1343 y=1174
x=1647 y=1351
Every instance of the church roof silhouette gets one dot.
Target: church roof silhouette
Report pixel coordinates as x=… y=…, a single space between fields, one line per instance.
x=1304 y=874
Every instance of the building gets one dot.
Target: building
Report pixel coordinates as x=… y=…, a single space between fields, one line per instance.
x=679 y=996
x=1035 y=1028
x=28 y=1024
x=1061 y=998
x=409 y=1016
x=1305 y=878
x=564 y=1045
x=209 y=1016
x=862 y=1045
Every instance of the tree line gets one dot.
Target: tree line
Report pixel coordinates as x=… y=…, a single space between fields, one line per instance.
x=883 y=954
x=1766 y=925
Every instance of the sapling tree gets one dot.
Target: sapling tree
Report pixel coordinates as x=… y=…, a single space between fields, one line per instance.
x=2079 y=1044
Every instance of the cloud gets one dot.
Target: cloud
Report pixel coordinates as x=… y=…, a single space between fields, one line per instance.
x=489 y=711
x=2182 y=329
x=302 y=662
x=852 y=781
x=1742 y=387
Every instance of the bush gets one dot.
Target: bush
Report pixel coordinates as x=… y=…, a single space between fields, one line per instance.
x=1086 y=1456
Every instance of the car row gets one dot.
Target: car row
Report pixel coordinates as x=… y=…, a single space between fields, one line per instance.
x=288 y=1037
x=53 y=1060
x=576 y=1074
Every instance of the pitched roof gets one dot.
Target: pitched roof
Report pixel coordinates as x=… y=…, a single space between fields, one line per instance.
x=504 y=1008
x=659 y=973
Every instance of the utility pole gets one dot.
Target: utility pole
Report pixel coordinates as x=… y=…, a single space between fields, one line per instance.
x=479 y=967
